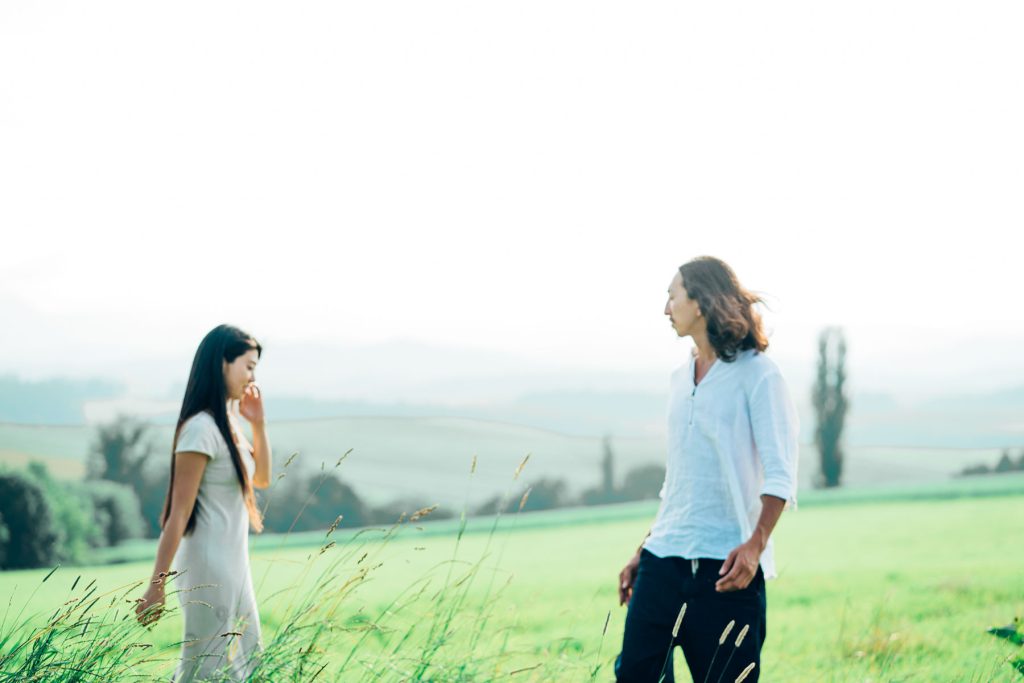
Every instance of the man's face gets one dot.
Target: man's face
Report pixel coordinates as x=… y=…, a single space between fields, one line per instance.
x=682 y=311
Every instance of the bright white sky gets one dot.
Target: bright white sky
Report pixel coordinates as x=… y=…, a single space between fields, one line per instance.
x=517 y=176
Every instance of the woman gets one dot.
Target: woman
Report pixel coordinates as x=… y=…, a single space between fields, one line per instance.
x=732 y=440
x=209 y=508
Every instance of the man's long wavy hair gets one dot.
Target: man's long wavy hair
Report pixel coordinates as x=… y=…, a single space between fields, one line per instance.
x=733 y=323
x=206 y=391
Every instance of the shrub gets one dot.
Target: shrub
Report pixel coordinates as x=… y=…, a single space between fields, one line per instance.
x=1005 y=464
x=643 y=482
x=600 y=496
x=5 y=536
x=546 y=494
x=640 y=483
x=121 y=451
x=74 y=520
x=330 y=498
x=389 y=513
x=151 y=492
x=116 y=511
x=305 y=503
x=124 y=452
x=29 y=520
x=543 y=494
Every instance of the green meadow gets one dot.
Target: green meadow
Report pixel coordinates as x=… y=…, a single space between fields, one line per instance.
x=892 y=584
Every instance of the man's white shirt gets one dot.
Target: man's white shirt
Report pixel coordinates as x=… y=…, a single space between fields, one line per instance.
x=731 y=439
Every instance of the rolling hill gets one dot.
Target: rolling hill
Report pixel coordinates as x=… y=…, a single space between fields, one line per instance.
x=429 y=458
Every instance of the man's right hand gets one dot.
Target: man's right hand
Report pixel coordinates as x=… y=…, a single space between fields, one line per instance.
x=626 y=578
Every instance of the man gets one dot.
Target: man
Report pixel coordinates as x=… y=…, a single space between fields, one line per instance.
x=698 y=580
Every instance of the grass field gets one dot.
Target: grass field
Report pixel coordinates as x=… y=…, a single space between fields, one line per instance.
x=883 y=587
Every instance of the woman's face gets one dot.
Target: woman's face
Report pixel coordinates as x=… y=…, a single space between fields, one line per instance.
x=239 y=373
x=682 y=311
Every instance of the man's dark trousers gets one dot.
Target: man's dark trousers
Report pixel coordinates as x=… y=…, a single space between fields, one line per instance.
x=661 y=587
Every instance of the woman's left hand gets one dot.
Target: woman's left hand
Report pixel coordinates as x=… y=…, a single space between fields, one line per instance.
x=251 y=405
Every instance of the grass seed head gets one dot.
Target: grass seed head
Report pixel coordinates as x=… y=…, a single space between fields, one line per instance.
x=343 y=456
x=679 y=621
x=519 y=470
x=746 y=672
x=742 y=635
x=726 y=632
x=421 y=513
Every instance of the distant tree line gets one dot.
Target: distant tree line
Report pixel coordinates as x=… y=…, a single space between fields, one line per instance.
x=305 y=498
x=45 y=520
x=640 y=483
x=1005 y=464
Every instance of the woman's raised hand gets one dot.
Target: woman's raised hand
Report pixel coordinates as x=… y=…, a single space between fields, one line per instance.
x=251 y=405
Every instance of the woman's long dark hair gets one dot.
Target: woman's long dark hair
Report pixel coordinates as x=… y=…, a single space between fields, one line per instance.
x=207 y=391
x=734 y=324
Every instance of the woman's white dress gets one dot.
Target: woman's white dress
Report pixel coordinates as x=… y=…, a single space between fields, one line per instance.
x=222 y=624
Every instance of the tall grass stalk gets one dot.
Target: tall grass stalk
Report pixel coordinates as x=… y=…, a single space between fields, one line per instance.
x=439 y=627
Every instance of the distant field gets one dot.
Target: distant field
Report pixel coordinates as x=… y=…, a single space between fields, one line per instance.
x=433 y=455
x=884 y=590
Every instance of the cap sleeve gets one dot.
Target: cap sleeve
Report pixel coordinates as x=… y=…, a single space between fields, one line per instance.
x=199 y=434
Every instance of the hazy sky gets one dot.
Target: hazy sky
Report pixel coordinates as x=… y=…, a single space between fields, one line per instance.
x=520 y=177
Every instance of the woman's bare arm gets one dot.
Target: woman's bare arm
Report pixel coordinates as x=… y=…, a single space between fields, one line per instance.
x=188 y=472
x=251 y=408
x=261 y=453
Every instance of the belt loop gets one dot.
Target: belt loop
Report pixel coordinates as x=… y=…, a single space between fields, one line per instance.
x=694 y=564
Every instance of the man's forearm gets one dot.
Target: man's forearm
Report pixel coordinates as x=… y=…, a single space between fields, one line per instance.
x=771 y=510
x=641 y=546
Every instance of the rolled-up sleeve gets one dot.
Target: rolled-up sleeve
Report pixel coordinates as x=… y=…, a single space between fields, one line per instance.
x=776 y=431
